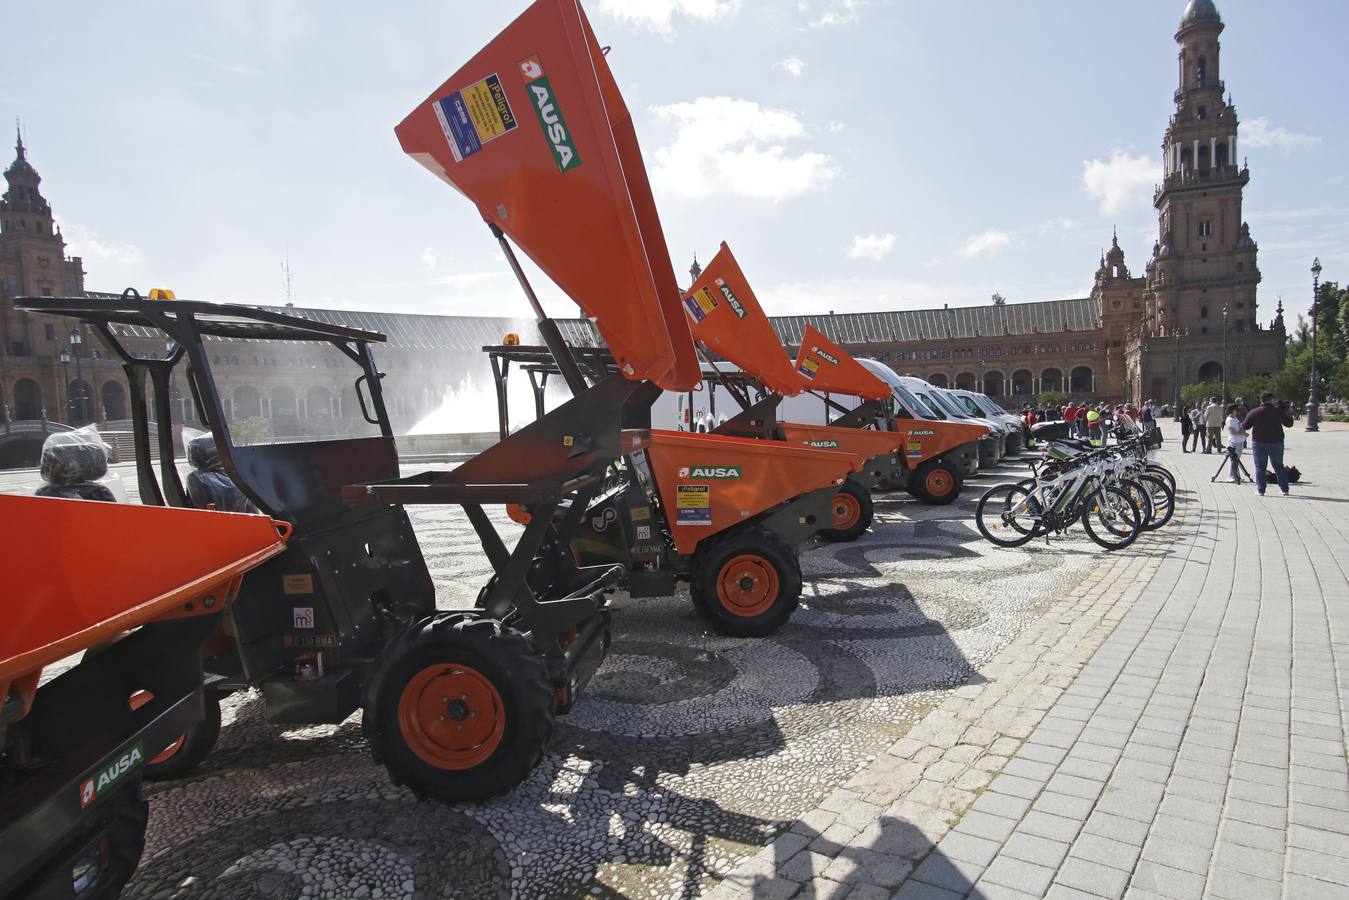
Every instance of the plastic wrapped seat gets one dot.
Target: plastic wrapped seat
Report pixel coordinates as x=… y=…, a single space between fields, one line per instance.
x=208 y=486
x=72 y=462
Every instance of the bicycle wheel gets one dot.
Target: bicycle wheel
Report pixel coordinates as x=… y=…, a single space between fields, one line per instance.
x=1163 y=501
x=1163 y=473
x=1142 y=497
x=1112 y=518
x=1008 y=515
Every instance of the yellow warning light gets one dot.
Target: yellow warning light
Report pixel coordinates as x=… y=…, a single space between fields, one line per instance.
x=161 y=294
x=511 y=339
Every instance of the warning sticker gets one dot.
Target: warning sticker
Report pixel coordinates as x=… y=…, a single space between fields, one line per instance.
x=693 y=504
x=474 y=116
x=809 y=366
x=700 y=303
x=915 y=448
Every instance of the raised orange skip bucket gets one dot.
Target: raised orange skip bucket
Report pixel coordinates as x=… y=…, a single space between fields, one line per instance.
x=534 y=131
x=828 y=367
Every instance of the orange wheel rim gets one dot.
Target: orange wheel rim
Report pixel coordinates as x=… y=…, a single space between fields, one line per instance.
x=139 y=699
x=846 y=510
x=939 y=483
x=748 y=585
x=451 y=716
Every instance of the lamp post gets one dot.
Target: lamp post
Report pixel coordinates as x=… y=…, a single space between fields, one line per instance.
x=1175 y=339
x=64 y=356
x=1313 y=411
x=76 y=339
x=1225 y=311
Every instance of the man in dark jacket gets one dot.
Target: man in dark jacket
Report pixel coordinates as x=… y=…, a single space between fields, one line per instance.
x=1265 y=425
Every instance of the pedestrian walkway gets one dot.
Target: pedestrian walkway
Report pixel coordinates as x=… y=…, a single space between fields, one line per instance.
x=1177 y=729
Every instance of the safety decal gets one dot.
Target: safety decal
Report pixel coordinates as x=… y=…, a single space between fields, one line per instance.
x=700 y=303
x=549 y=112
x=475 y=115
x=809 y=366
x=709 y=472
x=109 y=776
x=643 y=532
x=915 y=449
x=693 y=504
x=302 y=617
x=730 y=297
x=824 y=354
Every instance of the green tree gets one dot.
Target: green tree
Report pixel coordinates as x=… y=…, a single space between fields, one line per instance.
x=1192 y=394
x=1051 y=399
x=253 y=430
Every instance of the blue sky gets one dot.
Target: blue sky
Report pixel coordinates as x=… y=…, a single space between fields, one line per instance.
x=856 y=154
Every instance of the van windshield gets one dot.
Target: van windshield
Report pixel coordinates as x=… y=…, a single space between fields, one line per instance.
x=915 y=405
x=988 y=406
x=951 y=407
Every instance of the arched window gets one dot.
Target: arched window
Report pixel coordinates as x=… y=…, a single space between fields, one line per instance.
x=1051 y=380
x=965 y=381
x=1201 y=70
x=114 y=401
x=1021 y=382
x=1080 y=380
x=993 y=384
x=247 y=402
x=1211 y=371
x=938 y=380
x=27 y=400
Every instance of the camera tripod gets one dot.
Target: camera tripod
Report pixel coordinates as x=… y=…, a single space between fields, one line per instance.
x=1241 y=467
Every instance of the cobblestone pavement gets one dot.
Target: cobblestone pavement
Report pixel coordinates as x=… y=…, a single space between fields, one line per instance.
x=1198 y=749
x=689 y=753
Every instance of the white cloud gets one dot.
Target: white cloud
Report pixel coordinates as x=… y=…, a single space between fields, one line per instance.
x=429 y=259
x=736 y=146
x=82 y=241
x=792 y=65
x=986 y=243
x=1264 y=133
x=835 y=126
x=871 y=246
x=827 y=13
x=1057 y=225
x=658 y=15
x=1122 y=181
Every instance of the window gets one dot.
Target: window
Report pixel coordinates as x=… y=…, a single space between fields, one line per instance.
x=50 y=331
x=46 y=292
x=1203 y=312
x=1206 y=228
x=1203 y=112
x=1241 y=267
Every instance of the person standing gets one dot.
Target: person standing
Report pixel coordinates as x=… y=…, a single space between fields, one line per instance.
x=1186 y=429
x=1213 y=425
x=1265 y=425
x=1236 y=443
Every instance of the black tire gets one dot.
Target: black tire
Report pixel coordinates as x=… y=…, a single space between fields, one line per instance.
x=459 y=652
x=1142 y=498
x=1111 y=518
x=993 y=515
x=1163 y=500
x=127 y=815
x=769 y=564
x=1162 y=472
x=936 y=482
x=859 y=511
x=197 y=744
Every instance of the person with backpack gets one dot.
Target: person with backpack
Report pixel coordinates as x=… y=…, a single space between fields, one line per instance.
x=1186 y=430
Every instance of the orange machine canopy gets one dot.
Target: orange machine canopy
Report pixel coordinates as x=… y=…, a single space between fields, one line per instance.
x=726 y=317
x=828 y=367
x=534 y=131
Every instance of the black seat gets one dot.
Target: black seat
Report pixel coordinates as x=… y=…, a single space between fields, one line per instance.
x=72 y=462
x=208 y=487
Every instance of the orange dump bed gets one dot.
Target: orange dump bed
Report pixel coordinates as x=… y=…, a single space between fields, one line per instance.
x=862 y=444
x=533 y=130
x=87 y=571
x=709 y=482
x=726 y=317
x=828 y=367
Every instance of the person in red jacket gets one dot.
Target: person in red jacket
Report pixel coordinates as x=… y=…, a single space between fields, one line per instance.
x=1070 y=416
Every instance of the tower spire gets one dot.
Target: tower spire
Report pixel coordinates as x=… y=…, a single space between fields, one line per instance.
x=18 y=138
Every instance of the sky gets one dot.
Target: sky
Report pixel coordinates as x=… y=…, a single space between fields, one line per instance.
x=856 y=154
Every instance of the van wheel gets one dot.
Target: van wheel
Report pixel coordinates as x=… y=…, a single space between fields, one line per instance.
x=936 y=482
x=850 y=513
x=746 y=583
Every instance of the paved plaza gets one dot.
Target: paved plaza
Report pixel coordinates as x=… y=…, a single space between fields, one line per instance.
x=941 y=718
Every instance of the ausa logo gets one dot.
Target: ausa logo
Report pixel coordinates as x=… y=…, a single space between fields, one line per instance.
x=824 y=353
x=550 y=115
x=824 y=444
x=730 y=298
x=709 y=472
x=110 y=775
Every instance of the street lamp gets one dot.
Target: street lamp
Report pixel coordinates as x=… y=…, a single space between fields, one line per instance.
x=1175 y=371
x=76 y=339
x=1225 y=353
x=1313 y=411
x=64 y=356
